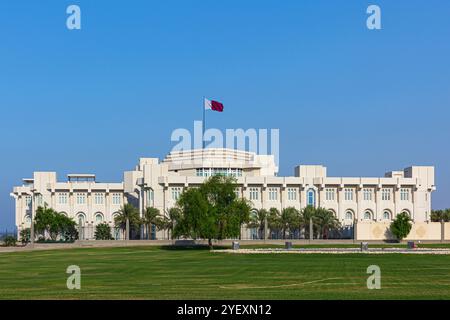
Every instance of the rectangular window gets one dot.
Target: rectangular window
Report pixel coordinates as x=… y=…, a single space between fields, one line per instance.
x=404 y=194
x=39 y=200
x=292 y=194
x=28 y=200
x=254 y=194
x=228 y=172
x=150 y=198
x=273 y=194
x=176 y=193
x=386 y=194
x=329 y=194
x=117 y=199
x=81 y=198
x=62 y=198
x=348 y=194
x=99 y=198
x=367 y=194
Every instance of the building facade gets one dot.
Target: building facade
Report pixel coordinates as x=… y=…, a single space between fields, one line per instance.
x=159 y=184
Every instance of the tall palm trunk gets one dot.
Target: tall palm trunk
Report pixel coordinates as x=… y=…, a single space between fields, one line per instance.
x=150 y=231
x=127 y=228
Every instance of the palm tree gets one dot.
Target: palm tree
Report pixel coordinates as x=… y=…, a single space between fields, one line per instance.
x=288 y=219
x=170 y=220
x=325 y=221
x=128 y=216
x=307 y=220
x=440 y=215
x=151 y=217
x=258 y=221
x=274 y=220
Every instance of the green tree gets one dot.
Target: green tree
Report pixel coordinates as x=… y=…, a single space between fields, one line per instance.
x=258 y=220
x=103 y=232
x=44 y=221
x=127 y=219
x=25 y=235
x=49 y=222
x=274 y=222
x=325 y=222
x=196 y=220
x=170 y=221
x=239 y=214
x=440 y=215
x=152 y=217
x=212 y=211
x=9 y=241
x=401 y=226
x=308 y=217
x=68 y=229
x=289 y=221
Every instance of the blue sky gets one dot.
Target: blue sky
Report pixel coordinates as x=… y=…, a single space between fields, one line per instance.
x=95 y=100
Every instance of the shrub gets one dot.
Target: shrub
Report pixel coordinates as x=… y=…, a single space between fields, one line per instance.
x=57 y=225
x=103 y=232
x=25 y=235
x=10 y=241
x=401 y=226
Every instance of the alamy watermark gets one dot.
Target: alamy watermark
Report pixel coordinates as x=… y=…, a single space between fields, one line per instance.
x=374 y=20
x=73 y=22
x=74 y=279
x=258 y=141
x=374 y=281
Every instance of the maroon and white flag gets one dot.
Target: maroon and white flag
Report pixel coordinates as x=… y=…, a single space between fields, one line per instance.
x=213 y=105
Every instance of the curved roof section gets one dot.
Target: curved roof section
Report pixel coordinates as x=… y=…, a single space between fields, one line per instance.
x=218 y=158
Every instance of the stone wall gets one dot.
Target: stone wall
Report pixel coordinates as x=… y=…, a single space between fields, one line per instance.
x=426 y=231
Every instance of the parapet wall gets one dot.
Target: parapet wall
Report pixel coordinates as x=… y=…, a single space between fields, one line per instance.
x=426 y=231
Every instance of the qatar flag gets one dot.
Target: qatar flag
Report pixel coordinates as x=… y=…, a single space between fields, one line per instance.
x=213 y=105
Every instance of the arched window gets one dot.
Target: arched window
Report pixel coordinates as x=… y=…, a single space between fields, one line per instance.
x=348 y=215
x=311 y=198
x=81 y=218
x=386 y=215
x=332 y=212
x=114 y=215
x=64 y=213
x=98 y=218
x=367 y=215
x=27 y=220
x=407 y=212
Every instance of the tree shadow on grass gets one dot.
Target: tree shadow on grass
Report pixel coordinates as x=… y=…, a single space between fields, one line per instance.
x=190 y=246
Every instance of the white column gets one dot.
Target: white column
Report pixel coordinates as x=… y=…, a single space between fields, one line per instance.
x=396 y=198
x=378 y=202
x=340 y=198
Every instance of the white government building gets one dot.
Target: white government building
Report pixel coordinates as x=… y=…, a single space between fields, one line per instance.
x=155 y=183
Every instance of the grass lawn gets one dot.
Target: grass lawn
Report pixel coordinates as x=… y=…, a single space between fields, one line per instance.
x=163 y=273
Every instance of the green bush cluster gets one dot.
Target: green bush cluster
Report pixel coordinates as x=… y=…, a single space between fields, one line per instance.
x=440 y=215
x=9 y=241
x=54 y=226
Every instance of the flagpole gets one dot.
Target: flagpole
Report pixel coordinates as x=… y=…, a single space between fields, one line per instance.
x=204 y=124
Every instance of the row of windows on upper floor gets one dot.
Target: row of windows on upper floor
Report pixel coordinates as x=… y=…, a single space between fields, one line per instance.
x=227 y=172
x=330 y=194
x=254 y=193
x=80 y=199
